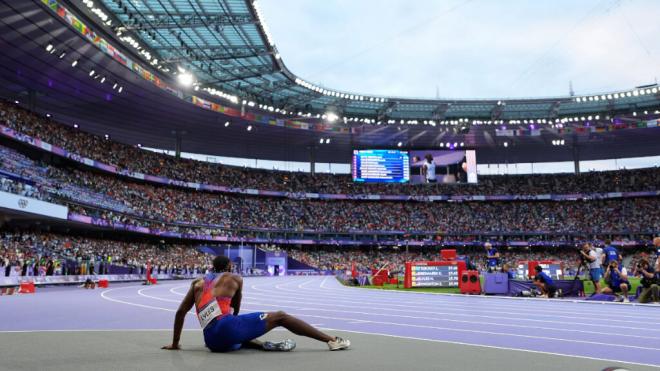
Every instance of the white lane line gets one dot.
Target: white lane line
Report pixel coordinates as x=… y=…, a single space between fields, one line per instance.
x=381 y=293
x=493 y=347
x=492 y=305
x=482 y=332
x=419 y=326
x=141 y=293
x=365 y=333
x=104 y=296
x=389 y=304
x=472 y=321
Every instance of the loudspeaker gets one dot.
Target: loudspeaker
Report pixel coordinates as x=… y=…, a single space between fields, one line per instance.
x=469 y=283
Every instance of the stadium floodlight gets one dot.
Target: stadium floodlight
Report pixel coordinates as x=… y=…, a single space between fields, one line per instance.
x=139 y=145
x=249 y=128
x=185 y=79
x=226 y=123
x=506 y=144
x=331 y=117
x=321 y=141
x=327 y=141
x=49 y=47
x=75 y=126
x=462 y=144
x=74 y=63
x=103 y=80
x=399 y=144
x=114 y=86
x=62 y=55
x=91 y=73
x=120 y=89
x=48 y=115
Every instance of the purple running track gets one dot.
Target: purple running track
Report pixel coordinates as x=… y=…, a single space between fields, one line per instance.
x=624 y=333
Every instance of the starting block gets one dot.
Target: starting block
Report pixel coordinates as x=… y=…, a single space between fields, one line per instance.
x=103 y=283
x=27 y=288
x=153 y=280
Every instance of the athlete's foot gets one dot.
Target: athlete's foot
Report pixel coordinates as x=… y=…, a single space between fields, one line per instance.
x=339 y=344
x=625 y=299
x=279 y=346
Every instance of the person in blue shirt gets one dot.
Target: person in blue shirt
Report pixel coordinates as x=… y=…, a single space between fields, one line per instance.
x=544 y=283
x=617 y=281
x=509 y=272
x=493 y=257
x=610 y=253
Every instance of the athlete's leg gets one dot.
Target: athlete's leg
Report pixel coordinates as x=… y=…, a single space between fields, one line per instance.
x=293 y=324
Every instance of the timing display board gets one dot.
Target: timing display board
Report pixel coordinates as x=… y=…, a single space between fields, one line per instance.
x=552 y=268
x=381 y=166
x=433 y=274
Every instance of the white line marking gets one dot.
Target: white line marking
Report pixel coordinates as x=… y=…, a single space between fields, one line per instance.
x=376 y=334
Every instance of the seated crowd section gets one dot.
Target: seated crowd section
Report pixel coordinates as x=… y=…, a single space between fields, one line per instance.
x=138 y=160
x=24 y=253
x=118 y=199
x=142 y=204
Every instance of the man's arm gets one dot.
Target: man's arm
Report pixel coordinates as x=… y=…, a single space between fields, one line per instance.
x=186 y=304
x=238 y=296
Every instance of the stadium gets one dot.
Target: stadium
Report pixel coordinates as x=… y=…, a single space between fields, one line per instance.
x=162 y=166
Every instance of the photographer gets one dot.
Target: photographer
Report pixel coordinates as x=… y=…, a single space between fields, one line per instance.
x=544 y=283
x=589 y=258
x=650 y=289
x=617 y=281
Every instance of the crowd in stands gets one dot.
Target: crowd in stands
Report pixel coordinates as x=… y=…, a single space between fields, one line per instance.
x=364 y=260
x=180 y=210
x=138 y=160
x=40 y=254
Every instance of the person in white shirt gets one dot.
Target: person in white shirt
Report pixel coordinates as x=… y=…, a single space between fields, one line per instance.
x=429 y=169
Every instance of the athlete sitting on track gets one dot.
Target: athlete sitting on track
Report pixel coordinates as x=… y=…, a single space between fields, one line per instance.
x=216 y=294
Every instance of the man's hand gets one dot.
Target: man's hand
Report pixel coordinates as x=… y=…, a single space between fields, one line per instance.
x=172 y=347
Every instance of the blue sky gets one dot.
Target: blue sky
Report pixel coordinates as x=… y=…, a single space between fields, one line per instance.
x=468 y=48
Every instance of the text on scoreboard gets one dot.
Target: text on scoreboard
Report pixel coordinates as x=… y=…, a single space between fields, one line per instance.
x=381 y=166
x=432 y=274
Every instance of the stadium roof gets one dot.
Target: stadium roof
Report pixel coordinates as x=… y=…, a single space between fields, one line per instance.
x=226 y=45
x=152 y=107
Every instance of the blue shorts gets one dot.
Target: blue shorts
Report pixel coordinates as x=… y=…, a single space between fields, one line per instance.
x=596 y=274
x=230 y=332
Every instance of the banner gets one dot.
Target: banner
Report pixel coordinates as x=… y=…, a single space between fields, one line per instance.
x=52 y=280
x=32 y=205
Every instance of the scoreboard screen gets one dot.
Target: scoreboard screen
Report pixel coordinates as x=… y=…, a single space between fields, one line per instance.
x=433 y=274
x=381 y=166
x=552 y=268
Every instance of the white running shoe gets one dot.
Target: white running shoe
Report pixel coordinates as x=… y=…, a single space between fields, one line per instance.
x=280 y=346
x=339 y=344
x=625 y=299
